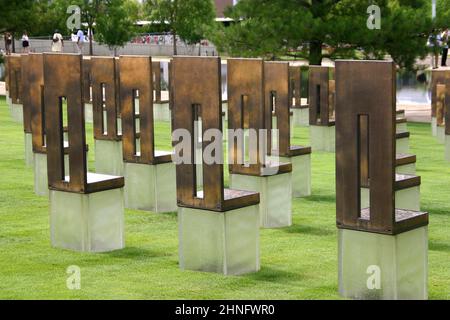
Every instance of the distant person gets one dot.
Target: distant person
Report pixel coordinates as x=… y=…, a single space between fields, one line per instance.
x=80 y=41
x=25 y=43
x=73 y=36
x=8 y=43
x=422 y=78
x=444 y=40
x=434 y=43
x=57 y=42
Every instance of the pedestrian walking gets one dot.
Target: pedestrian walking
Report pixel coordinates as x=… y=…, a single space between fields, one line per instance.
x=25 y=43
x=57 y=42
x=8 y=43
x=434 y=43
x=80 y=41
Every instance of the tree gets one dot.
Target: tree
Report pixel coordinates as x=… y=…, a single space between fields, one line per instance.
x=17 y=16
x=304 y=27
x=90 y=11
x=51 y=16
x=442 y=14
x=117 y=24
x=189 y=19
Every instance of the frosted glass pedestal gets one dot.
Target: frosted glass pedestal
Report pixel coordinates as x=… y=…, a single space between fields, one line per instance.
x=434 y=126
x=8 y=99
x=406 y=169
x=301 y=174
x=402 y=145
x=402 y=127
x=407 y=199
x=162 y=112
x=275 y=208
x=17 y=113
x=109 y=157
x=292 y=127
x=301 y=117
x=28 y=138
x=88 y=113
x=150 y=187
x=323 y=138
x=220 y=242
x=87 y=222
x=383 y=267
x=40 y=173
x=440 y=134
x=447 y=148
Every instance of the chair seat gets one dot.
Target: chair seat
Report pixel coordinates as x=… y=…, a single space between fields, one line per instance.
x=305 y=106
x=405 y=181
x=235 y=199
x=404 y=159
x=161 y=157
x=100 y=182
x=402 y=135
x=299 y=151
x=279 y=167
x=405 y=220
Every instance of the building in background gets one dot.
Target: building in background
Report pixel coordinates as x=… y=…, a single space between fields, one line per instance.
x=221 y=5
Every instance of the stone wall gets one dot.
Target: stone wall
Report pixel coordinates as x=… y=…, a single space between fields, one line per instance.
x=130 y=49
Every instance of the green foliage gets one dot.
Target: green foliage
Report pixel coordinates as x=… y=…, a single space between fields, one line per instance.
x=191 y=20
x=51 y=16
x=17 y=15
x=442 y=14
x=116 y=25
x=285 y=27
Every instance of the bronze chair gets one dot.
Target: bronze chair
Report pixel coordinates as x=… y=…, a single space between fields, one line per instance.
x=321 y=96
x=60 y=85
x=15 y=78
x=104 y=98
x=246 y=107
x=276 y=93
x=136 y=81
x=365 y=150
x=197 y=94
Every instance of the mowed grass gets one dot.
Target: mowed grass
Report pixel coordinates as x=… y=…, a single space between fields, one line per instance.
x=297 y=263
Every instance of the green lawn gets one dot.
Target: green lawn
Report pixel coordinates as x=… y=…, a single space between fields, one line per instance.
x=297 y=263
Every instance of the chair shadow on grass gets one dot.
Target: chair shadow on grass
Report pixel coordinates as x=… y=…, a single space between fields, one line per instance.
x=310 y=230
x=436 y=211
x=173 y=215
x=138 y=254
x=267 y=274
x=331 y=198
x=438 y=246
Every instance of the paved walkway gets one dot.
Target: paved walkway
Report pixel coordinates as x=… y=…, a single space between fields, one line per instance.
x=417 y=113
